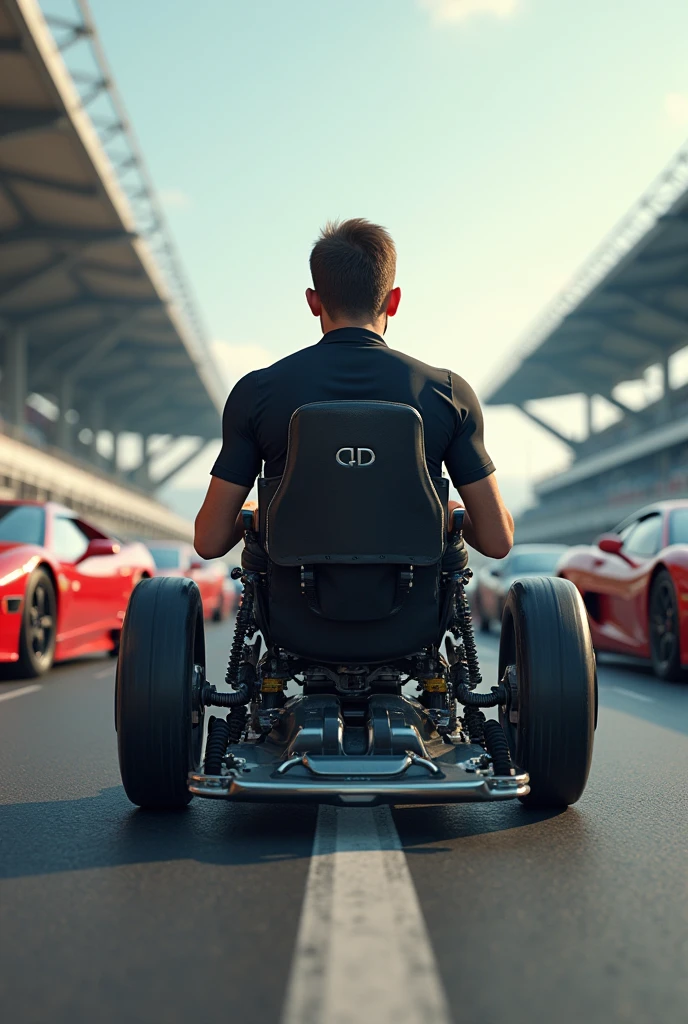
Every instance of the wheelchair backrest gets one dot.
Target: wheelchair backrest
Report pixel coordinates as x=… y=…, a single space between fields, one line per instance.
x=355 y=489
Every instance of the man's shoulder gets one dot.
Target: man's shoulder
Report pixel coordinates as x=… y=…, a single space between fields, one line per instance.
x=285 y=364
x=438 y=373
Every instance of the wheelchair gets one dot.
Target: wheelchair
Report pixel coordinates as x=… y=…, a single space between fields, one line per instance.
x=353 y=676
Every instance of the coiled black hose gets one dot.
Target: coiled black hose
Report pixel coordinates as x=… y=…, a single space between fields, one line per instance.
x=474 y=722
x=226 y=700
x=465 y=695
x=497 y=747
x=216 y=747
x=465 y=624
x=236 y=721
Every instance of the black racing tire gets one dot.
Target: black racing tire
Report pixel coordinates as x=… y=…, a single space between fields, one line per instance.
x=218 y=611
x=38 y=632
x=545 y=635
x=158 y=714
x=664 y=629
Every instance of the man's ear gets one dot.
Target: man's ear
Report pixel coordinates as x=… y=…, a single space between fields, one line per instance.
x=314 y=303
x=393 y=301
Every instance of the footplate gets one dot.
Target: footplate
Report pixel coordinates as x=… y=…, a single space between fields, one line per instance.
x=376 y=782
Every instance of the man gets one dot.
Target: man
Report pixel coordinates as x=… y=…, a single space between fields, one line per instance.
x=353 y=266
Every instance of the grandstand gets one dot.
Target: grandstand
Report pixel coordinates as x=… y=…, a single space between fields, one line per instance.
x=99 y=332
x=626 y=311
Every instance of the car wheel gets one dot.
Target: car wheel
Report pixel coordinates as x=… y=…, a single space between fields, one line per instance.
x=484 y=623
x=158 y=713
x=665 y=647
x=218 y=611
x=39 y=626
x=546 y=654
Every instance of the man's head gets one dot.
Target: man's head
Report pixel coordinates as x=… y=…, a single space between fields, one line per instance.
x=353 y=264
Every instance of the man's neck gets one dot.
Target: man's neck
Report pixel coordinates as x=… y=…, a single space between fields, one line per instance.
x=376 y=326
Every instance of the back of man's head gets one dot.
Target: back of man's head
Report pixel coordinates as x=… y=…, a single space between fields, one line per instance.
x=353 y=264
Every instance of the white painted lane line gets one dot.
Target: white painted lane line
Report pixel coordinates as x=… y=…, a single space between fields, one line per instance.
x=21 y=692
x=362 y=951
x=105 y=672
x=633 y=694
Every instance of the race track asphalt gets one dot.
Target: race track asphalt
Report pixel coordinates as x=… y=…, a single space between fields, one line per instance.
x=111 y=914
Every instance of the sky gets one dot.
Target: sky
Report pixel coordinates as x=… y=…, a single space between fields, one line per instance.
x=497 y=140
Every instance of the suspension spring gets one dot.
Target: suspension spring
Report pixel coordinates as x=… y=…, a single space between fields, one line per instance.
x=465 y=625
x=497 y=747
x=216 y=747
x=474 y=723
x=236 y=720
x=242 y=626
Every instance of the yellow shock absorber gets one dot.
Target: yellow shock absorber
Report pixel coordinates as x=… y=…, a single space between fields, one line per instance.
x=272 y=685
x=435 y=685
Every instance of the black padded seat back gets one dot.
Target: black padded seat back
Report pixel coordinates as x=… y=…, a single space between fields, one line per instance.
x=355 y=489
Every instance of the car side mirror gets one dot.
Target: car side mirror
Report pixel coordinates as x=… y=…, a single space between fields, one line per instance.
x=610 y=543
x=99 y=546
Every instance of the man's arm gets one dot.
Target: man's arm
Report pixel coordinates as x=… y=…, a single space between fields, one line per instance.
x=488 y=525
x=218 y=526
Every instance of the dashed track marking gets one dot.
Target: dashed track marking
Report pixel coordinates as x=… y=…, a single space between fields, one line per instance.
x=21 y=692
x=633 y=694
x=362 y=951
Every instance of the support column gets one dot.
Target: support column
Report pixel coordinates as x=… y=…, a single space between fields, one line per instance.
x=96 y=422
x=141 y=475
x=666 y=388
x=65 y=400
x=589 y=426
x=15 y=376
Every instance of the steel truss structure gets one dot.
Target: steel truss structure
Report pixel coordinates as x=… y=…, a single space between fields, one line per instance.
x=96 y=314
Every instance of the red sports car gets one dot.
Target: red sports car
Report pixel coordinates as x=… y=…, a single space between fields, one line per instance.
x=64 y=585
x=635 y=586
x=175 y=558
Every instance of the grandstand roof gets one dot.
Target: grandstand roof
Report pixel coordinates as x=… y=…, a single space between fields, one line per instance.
x=75 y=270
x=626 y=310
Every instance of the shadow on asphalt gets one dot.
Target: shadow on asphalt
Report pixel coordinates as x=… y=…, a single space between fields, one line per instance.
x=422 y=829
x=106 y=831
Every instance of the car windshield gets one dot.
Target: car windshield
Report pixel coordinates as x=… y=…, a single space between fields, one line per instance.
x=23 y=524
x=678 y=526
x=165 y=558
x=533 y=561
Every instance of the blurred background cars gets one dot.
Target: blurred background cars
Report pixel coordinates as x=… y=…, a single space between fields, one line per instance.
x=64 y=585
x=494 y=579
x=634 y=583
x=218 y=593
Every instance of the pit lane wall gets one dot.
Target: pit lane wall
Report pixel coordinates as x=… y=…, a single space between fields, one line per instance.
x=32 y=474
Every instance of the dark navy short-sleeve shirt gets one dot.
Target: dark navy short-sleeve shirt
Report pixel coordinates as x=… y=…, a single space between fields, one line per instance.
x=350 y=364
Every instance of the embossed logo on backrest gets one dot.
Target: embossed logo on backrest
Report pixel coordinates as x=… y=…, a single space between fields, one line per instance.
x=355 y=457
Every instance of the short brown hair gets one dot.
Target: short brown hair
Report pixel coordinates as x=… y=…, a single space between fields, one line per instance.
x=353 y=264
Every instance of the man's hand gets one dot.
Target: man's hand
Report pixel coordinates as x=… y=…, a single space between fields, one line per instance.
x=218 y=524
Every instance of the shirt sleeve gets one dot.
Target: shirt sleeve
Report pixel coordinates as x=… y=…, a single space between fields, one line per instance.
x=466 y=458
x=239 y=461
